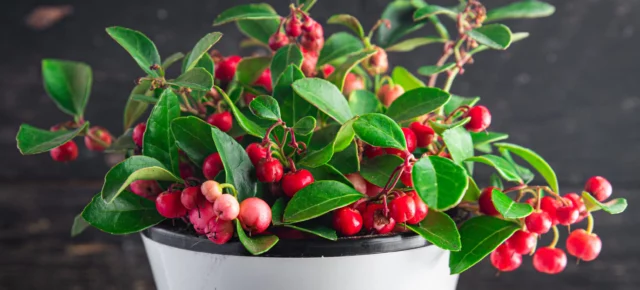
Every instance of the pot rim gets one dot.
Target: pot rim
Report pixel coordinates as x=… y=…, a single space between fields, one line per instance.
x=289 y=248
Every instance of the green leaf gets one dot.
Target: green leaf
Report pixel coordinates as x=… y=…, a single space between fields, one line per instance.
x=68 y=84
x=133 y=110
x=401 y=76
x=509 y=208
x=495 y=181
x=348 y=21
x=134 y=168
x=417 y=102
x=524 y=172
x=346 y=161
x=522 y=9
x=339 y=45
x=293 y=107
x=325 y=96
x=327 y=172
x=193 y=136
x=480 y=236
x=536 y=162
x=496 y=36
x=171 y=60
x=342 y=140
x=318 y=230
x=123 y=143
x=363 y=102
x=237 y=166
x=245 y=123
x=144 y=98
x=259 y=29
x=459 y=144
x=379 y=130
x=458 y=101
x=158 y=142
x=127 y=213
x=517 y=36
x=197 y=79
x=440 y=183
x=277 y=211
x=378 y=169
x=285 y=56
x=504 y=168
x=439 y=229
x=440 y=128
x=430 y=10
x=202 y=47
x=265 y=107
x=434 y=69
x=482 y=138
x=32 y=140
x=305 y=126
x=256 y=245
x=139 y=46
x=340 y=74
x=614 y=206
x=400 y=16
x=319 y=198
x=250 y=68
x=413 y=43
x=248 y=11
x=79 y=225
x=473 y=192
x=307 y=4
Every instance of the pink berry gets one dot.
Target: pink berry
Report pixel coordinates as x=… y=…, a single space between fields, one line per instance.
x=599 y=187
x=327 y=70
x=219 y=231
x=65 y=152
x=200 y=216
x=309 y=63
x=347 y=221
x=138 y=133
x=293 y=182
x=278 y=40
x=212 y=166
x=352 y=83
x=293 y=26
x=224 y=121
x=387 y=94
x=226 y=68
x=169 y=205
x=480 y=119
x=377 y=63
x=549 y=260
x=255 y=215
x=211 y=190
x=226 y=207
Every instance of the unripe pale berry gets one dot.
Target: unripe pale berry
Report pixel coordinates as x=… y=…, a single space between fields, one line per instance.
x=256 y=152
x=480 y=119
x=211 y=190
x=583 y=245
x=424 y=134
x=309 y=63
x=101 y=134
x=169 y=205
x=212 y=165
x=65 y=152
x=269 y=170
x=138 y=133
x=226 y=68
x=347 y=221
x=598 y=187
x=377 y=63
x=219 y=231
x=549 y=260
x=224 y=121
x=226 y=207
x=358 y=182
x=200 y=216
x=255 y=215
x=388 y=93
x=352 y=83
x=292 y=182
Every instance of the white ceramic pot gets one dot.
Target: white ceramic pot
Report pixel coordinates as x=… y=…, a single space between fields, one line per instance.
x=407 y=262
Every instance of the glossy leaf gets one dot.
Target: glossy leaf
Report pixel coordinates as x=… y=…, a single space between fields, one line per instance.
x=293 y=107
x=348 y=21
x=440 y=128
x=319 y=198
x=202 y=47
x=197 y=79
x=123 y=143
x=171 y=60
x=378 y=169
x=458 y=101
x=158 y=142
x=193 y=136
x=259 y=29
x=245 y=123
x=339 y=45
x=134 y=168
x=305 y=126
x=256 y=245
x=343 y=137
x=277 y=211
x=285 y=56
x=325 y=96
x=133 y=110
x=327 y=172
x=413 y=43
x=247 y=11
x=440 y=183
x=340 y=74
x=265 y=107
x=250 y=68
x=430 y=10
x=401 y=76
x=482 y=138
x=68 y=84
x=480 y=236
x=473 y=191
x=32 y=140
x=614 y=206
x=379 y=130
x=79 y=225
x=400 y=16
x=502 y=166
x=307 y=4
x=434 y=69
x=496 y=36
x=144 y=98
x=439 y=229
x=459 y=144
x=139 y=46
x=417 y=102
x=495 y=181
x=522 y=9
x=317 y=230
x=237 y=166
x=363 y=102
x=509 y=208
x=524 y=172
x=536 y=162
x=346 y=161
x=128 y=213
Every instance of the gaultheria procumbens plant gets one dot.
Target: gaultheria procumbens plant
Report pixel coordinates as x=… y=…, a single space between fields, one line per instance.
x=317 y=136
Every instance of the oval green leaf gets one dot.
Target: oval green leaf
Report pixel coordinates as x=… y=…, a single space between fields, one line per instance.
x=245 y=123
x=440 y=183
x=522 y=9
x=349 y=21
x=139 y=46
x=482 y=138
x=79 y=225
x=305 y=126
x=459 y=144
x=250 y=68
x=496 y=36
x=339 y=75
x=325 y=96
x=237 y=166
x=342 y=139
x=158 y=142
x=502 y=166
x=68 y=83
x=193 y=136
x=434 y=69
x=172 y=59
x=440 y=128
x=317 y=230
x=339 y=45
x=293 y=107
x=265 y=107
x=413 y=43
x=417 y=102
x=256 y=245
x=128 y=213
x=259 y=29
x=401 y=76
x=364 y=102
x=439 y=229
x=133 y=110
x=509 y=208
x=400 y=16
x=458 y=101
x=378 y=169
x=379 y=130
x=614 y=206
x=202 y=47
x=197 y=79
x=319 y=198
x=248 y=11
x=32 y=140
x=285 y=56
x=537 y=162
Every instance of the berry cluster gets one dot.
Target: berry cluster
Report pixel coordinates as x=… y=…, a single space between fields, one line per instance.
x=95 y=139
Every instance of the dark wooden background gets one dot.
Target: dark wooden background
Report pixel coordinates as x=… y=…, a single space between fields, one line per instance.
x=570 y=91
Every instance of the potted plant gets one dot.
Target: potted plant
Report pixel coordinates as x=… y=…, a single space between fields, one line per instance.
x=314 y=164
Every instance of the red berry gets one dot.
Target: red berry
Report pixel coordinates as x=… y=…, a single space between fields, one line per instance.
x=599 y=187
x=486 y=204
x=256 y=152
x=538 y=222
x=309 y=63
x=200 y=216
x=278 y=40
x=226 y=68
x=387 y=94
x=410 y=138
x=405 y=177
x=219 y=231
x=424 y=134
x=313 y=29
x=480 y=119
x=65 y=152
x=372 y=151
x=265 y=80
x=368 y=214
x=505 y=259
x=248 y=97
x=352 y=83
x=169 y=205
x=226 y=207
x=255 y=215
x=383 y=225
x=186 y=170
x=312 y=44
x=550 y=205
x=224 y=121
x=293 y=26
x=212 y=166
x=402 y=208
x=567 y=213
x=358 y=182
x=327 y=70
x=372 y=189
x=269 y=170
x=99 y=133
x=421 y=208
x=583 y=245
x=347 y=221
x=522 y=242
x=578 y=203
x=211 y=190
x=138 y=133
x=549 y=260
x=191 y=197
x=292 y=182
x=146 y=188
